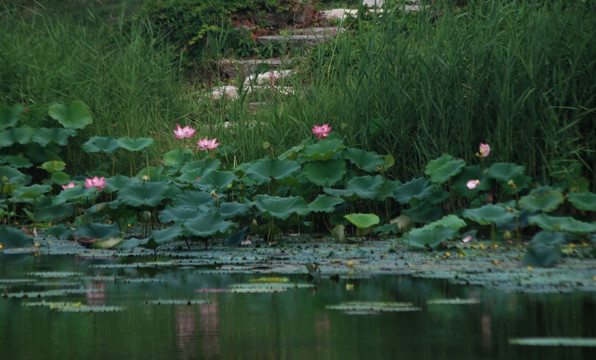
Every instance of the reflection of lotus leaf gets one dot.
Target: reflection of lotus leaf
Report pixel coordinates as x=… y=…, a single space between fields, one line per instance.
x=323 y=150
x=542 y=199
x=208 y=224
x=363 y=221
x=325 y=203
x=145 y=193
x=281 y=207
x=21 y=135
x=103 y=144
x=325 y=173
x=262 y=171
x=131 y=144
x=583 y=201
x=97 y=231
x=418 y=188
x=43 y=136
x=433 y=237
x=558 y=223
x=444 y=168
x=73 y=116
x=489 y=214
x=368 y=161
x=503 y=172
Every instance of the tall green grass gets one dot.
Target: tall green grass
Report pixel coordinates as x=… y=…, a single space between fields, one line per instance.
x=122 y=71
x=516 y=74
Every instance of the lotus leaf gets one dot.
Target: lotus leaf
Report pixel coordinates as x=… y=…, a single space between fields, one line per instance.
x=59 y=231
x=424 y=212
x=118 y=182
x=583 y=201
x=368 y=161
x=32 y=191
x=430 y=237
x=13 y=176
x=470 y=173
x=43 y=136
x=193 y=199
x=108 y=243
x=237 y=238
x=451 y=221
x=53 y=166
x=373 y=307
x=456 y=301
x=178 y=302
x=167 y=234
x=54 y=213
x=60 y=178
x=444 y=168
x=544 y=249
x=324 y=203
x=131 y=144
x=73 y=116
x=206 y=164
x=175 y=157
x=557 y=223
x=293 y=152
x=325 y=173
x=193 y=175
x=505 y=172
x=21 y=135
x=14 y=238
x=418 y=189
x=364 y=187
x=9 y=116
x=232 y=209
x=101 y=144
x=543 y=199
x=489 y=214
x=363 y=221
x=262 y=171
x=15 y=161
x=97 y=231
x=145 y=193
x=76 y=193
x=216 y=179
x=323 y=150
x=179 y=213
x=281 y=207
x=208 y=224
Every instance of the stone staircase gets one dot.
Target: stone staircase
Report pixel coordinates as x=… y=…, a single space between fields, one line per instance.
x=270 y=74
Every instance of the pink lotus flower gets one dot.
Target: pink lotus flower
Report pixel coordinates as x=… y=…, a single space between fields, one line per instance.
x=321 y=131
x=471 y=185
x=183 y=132
x=484 y=150
x=208 y=144
x=70 y=185
x=100 y=183
x=467 y=239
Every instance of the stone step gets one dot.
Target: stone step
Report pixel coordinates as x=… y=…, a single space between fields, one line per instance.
x=234 y=68
x=301 y=37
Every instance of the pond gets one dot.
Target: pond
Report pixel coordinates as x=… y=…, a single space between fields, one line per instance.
x=160 y=311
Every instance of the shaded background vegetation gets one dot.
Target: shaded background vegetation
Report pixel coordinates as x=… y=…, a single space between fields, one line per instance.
x=516 y=74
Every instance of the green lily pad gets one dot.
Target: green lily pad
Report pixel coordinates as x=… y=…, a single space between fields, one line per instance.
x=543 y=199
x=281 y=207
x=178 y=302
x=167 y=234
x=98 y=231
x=32 y=191
x=76 y=115
x=13 y=176
x=559 y=223
x=418 y=189
x=257 y=288
x=74 y=194
x=16 y=161
x=14 y=238
x=53 y=166
x=101 y=144
x=544 y=249
x=175 y=157
x=363 y=187
x=108 y=243
x=145 y=193
x=131 y=144
x=206 y=164
x=368 y=161
x=444 y=168
x=363 y=221
x=270 y=280
x=554 y=341
x=451 y=221
x=9 y=116
x=323 y=150
x=262 y=171
x=233 y=209
x=325 y=173
x=324 y=203
x=216 y=180
x=503 y=172
x=373 y=307
x=178 y=213
x=208 y=224
x=54 y=213
x=423 y=213
x=55 y=274
x=44 y=136
x=118 y=182
x=429 y=237
x=21 y=135
x=477 y=172
x=583 y=201
x=456 y=301
x=193 y=198
x=489 y=214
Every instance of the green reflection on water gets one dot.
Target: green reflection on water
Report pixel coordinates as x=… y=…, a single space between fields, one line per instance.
x=294 y=324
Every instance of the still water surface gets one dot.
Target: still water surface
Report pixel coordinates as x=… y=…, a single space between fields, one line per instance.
x=290 y=325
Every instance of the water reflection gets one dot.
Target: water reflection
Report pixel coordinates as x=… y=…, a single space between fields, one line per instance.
x=185 y=331
x=96 y=296
x=209 y=330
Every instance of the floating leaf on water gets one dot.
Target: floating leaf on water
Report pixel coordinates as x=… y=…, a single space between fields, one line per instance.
x=48 y=293
x=178 y=302
x=456 y=301
x=55 y=274
x=90 y=309
x=270 y=280
x=267 y=287
x=139 y=280
x=554 y=341
x=137 y=265
x=17 y=281
x=373 y=307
